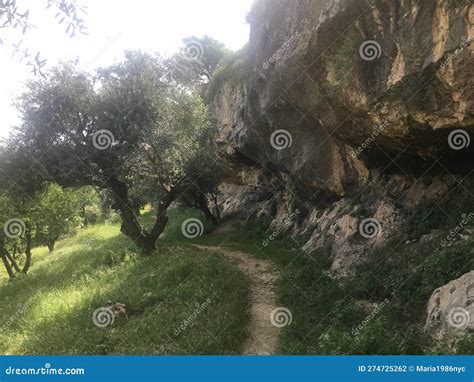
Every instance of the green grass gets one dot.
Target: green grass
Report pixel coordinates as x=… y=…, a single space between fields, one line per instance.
x=160 y=292
x=50 y=310
x=325 y=311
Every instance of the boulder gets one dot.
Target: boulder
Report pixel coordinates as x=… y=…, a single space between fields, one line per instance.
x=450 y=309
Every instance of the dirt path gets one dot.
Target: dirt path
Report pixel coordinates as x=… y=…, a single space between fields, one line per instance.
x=263 y=336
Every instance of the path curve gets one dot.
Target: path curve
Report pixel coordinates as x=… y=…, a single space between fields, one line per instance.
x=262 y=335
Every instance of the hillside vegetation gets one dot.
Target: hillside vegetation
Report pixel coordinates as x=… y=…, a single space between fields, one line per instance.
x=57 y=300
x=55 y=303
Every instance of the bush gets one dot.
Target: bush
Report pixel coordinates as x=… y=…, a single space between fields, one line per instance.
x=230 y=69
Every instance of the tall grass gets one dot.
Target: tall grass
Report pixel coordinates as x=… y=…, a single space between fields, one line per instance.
x=161 y=292
x=50 y=310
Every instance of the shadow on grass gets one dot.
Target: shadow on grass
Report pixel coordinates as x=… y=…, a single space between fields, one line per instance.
x=160 y=292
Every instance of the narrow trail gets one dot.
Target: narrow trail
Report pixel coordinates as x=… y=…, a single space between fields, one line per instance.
x=262 y=335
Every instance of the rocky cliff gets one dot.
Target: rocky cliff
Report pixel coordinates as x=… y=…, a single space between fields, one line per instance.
x=356 y=114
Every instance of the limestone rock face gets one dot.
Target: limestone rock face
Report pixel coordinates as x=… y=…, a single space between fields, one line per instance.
x=451 y=308
x=353 y=83
x=339 y=107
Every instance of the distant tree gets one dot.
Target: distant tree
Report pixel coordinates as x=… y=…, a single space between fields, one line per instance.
x=38 y=221
x=90 y=205
x=205 y=175
x=56 y=211
x=125 y=125
x=20 y=182
x=195 y=63
x=5 y=214
x=16 y=235
x=32 y=212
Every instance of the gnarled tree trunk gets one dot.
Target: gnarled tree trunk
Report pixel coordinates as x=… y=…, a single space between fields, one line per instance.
x=27 y=265
x=13 y=262
x=199 y=201
x=216 y=206
x=51 y=243
x=161 y=218
x=202 y=205
x=144 y=240
x=11 y=275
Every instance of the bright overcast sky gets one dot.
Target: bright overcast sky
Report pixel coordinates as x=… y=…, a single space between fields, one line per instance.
x=114 y=26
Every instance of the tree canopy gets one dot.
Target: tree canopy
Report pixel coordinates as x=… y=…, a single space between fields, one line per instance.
x=125 y=128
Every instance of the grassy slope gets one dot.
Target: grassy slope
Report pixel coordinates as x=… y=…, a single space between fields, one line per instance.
x=324 y=311
x=160 y=292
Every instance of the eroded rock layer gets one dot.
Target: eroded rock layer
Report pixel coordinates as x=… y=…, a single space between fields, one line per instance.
x=342 y=108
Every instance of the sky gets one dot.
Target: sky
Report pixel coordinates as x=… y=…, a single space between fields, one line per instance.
x=115 y=26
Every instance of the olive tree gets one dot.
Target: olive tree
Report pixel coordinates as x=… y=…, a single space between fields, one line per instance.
x=123 y=125
x=8 y=261
x=56 y=212
x=19 y=185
